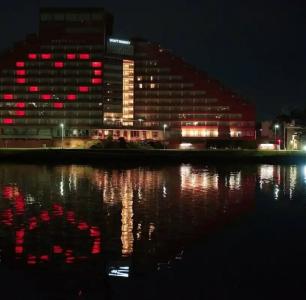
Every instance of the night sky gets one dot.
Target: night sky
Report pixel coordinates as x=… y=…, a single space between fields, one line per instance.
x=255 y=47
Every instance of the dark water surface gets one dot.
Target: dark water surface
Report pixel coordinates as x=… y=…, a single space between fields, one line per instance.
x=184 y=232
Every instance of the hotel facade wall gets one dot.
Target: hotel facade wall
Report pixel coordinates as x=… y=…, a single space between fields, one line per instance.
x=170 y=91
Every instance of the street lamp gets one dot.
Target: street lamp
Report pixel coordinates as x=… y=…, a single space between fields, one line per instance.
x=276 y=126
x=62 y=131
x=165 y=126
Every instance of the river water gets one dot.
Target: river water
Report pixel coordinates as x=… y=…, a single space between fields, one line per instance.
x=71 y=231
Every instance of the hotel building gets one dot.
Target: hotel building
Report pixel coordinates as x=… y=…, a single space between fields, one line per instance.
x=74 y=79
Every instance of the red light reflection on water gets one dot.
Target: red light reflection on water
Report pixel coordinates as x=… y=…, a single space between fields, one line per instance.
x=8 y=217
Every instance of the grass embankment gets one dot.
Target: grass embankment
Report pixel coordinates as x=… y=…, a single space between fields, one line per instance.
x=55 y=155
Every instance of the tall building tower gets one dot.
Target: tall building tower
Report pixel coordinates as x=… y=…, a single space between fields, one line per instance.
x=60 y=81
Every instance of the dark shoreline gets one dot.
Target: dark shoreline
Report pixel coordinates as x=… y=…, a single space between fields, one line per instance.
x=111 y=156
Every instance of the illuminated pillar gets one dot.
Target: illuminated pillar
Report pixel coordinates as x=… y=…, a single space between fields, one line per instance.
x=128 y=93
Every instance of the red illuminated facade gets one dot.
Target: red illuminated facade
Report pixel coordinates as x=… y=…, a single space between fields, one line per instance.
x=74 y=73
x=56 y=76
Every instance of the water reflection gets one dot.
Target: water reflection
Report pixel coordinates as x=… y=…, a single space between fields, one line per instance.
x=73 y=214
x=285 y=182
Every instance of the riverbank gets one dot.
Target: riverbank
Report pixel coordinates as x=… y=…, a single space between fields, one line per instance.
x=57 y=155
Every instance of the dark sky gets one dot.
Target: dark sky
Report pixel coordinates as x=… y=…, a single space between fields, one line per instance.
x=255 y=47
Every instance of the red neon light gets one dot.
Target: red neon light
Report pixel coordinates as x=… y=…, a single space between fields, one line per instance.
x=58 y=210
x=46 y=56
x=8 y=96
x=44 y=216
x=96 y=80
x=20 y=72
x=83 y=226
x=96 y=64
x=7 y=121
x=84 y=56
x=59 y=64
x=71 y=217
x=71 y=97
x=71 y=56
x=83 y=89
x=18 y=249
x=20 y=80
x=20 y=64
x=57 y=249
x=58 y=105
x=97 y=72
x=33 y=89
x=45 y=97
x=32 y=56
x=19 y=113
x=32 y=223
x=44 y=257
x=20 y=105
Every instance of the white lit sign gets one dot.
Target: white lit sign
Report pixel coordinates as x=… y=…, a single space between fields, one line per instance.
x=120 y=41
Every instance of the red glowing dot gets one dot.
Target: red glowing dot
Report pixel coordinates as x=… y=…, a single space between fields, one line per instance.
x=33 y=89
x=20 y=80
x=45 y=97
x=96 y=80
x=20 y=72
x=57 y=249
x=59 y=64
x=71 y=97
x=58 y=105
x=7 y=121
x=20 y=64
x=71 y=56
x=46 y=56
x=96 y=64
x=84 y=89
x=84 y=56
x=32 y=56
x=83 y=226
x=44 y=257
x=18 y=249
x=19 y=113
x=97 y=72
x=8 y=96
x=20 y=105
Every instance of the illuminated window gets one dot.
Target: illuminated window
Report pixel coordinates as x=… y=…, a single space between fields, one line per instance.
x=8 y=96
x=84 y=56
x=139 y=78
x=32 y=56
x=58 y=64
x=19 y=113
x=33 y=89
x=96 y=80
x=84 y=89
x=71 y=97
x=7 y=121
x=97 y=72
x=58 y=105
x=20 y=72
x=20 y=64
x=20 y=105
x=20 y=80
x=45 y=97
x=71 y=56
x=152 y=85
x=46 y=56
x=140 y=85
x=96 y=64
